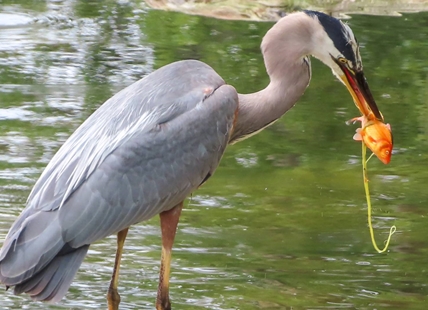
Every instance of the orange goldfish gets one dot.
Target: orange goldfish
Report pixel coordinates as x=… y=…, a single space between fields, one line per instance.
x=376 y=136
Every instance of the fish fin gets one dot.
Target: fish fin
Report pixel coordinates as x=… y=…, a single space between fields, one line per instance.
x=354 y=120
x=357 y=136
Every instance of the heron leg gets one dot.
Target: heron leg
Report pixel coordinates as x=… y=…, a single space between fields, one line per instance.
x=113 y=297
x=169 y=221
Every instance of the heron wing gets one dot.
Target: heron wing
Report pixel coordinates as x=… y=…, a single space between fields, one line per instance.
x=152 y=172
x=155 y=99
x=140 y=153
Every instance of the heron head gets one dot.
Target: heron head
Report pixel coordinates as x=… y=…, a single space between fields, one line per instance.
x=335 y=45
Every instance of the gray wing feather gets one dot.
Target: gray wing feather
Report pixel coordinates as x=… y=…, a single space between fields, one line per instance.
x=153 y=100
x=33 y=246
x=161 y=96
x=152 y=172
x=139 y=154
x=52 y=284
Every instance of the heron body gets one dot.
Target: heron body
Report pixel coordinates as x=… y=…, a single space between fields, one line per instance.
x=128 y=171
x=151 y=145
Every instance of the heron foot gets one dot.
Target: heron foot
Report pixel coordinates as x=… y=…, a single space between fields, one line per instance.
x=113 y=299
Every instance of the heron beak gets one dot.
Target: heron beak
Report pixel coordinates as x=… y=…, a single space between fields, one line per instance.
x=359 y=89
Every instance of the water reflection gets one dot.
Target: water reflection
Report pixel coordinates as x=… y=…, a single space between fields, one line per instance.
x=283 y=222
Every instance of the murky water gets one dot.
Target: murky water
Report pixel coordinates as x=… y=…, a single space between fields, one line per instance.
x=282 y=224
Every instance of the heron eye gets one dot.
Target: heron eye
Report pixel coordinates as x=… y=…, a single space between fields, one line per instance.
x=343 y=60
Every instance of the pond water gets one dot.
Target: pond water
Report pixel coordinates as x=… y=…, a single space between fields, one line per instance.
x=282 y=224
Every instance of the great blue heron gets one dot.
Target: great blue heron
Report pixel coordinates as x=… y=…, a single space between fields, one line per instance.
x=151 y=145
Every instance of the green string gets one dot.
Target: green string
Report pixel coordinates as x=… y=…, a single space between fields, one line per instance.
x=369 y=206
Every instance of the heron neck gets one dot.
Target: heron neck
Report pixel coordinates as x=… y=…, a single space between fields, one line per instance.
x=285 y=48
x=259 y=110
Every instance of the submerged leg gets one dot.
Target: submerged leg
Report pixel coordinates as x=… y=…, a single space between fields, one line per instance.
x=169 y=221
x=113 y=298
